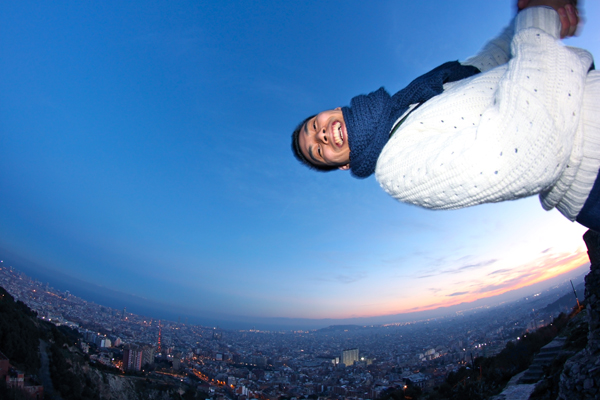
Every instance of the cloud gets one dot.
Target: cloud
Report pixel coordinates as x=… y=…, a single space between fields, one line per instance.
x=512 y=283
x=459 y=269
x=547 y=250
x=545 y=266
x=457 y=294
x=491 y=288
x=500 y=271
x=479 y=264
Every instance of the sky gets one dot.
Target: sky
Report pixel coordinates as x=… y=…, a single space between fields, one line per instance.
x=145 y=160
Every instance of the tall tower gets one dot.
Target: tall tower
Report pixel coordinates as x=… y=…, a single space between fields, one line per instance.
x=159 y=335
x=349 y=356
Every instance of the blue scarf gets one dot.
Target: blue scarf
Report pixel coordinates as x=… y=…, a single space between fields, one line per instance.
x=370 y=118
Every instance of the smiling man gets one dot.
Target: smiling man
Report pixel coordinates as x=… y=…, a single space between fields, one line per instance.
x=481 y=131
x=324 y=140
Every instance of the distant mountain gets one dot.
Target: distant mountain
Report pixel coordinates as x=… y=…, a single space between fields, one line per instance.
x=338 y=328
x=547 y=291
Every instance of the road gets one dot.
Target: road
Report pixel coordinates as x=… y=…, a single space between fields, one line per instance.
x=45 y=372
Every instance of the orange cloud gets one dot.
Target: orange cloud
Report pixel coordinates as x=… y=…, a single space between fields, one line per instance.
x=547 y=266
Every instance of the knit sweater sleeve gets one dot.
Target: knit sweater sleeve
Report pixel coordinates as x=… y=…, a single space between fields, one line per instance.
x=500 y=135
x=495 y=52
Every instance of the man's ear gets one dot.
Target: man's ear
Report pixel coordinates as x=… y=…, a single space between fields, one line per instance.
x=344 y=167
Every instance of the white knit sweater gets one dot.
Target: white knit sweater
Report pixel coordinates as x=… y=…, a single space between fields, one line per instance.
x=528 y=124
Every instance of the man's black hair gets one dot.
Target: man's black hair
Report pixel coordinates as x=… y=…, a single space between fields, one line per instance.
x=298 y=153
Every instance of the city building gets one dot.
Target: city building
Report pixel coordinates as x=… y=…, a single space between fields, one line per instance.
x=349 y=356
x=148 y=355
x=132 y=358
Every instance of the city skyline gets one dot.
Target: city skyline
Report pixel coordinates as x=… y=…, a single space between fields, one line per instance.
x=145 y=153
x=336 y=360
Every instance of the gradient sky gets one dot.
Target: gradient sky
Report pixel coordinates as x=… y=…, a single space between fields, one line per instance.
x=145 y=148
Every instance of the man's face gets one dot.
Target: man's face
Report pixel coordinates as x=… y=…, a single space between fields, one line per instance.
x=323 y=140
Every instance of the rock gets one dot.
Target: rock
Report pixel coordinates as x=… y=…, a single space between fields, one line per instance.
x=117 y=387
x=579 y=376
x=592 y=241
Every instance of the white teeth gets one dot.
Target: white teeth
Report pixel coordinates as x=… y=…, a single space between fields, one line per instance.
x=337 y=133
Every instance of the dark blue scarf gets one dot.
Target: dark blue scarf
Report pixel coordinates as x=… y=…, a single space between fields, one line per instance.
x=370 y=118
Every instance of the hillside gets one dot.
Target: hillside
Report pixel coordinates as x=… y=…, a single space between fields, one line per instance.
x=39 y=348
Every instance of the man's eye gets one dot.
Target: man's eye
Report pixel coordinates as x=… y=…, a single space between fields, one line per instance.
x=319 y=151
x=315 y=125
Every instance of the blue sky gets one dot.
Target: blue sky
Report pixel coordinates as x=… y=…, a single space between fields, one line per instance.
x=144 y=149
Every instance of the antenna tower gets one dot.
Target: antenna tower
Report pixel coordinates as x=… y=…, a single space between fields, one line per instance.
x=159 y=335
x=575 y=293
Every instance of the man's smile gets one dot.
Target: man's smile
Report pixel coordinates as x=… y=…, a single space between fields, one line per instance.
x=337 y=133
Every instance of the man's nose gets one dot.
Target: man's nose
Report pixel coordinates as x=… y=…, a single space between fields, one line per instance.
x=323 y=136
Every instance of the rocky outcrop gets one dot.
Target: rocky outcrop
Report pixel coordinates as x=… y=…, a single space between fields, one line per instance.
x=111 y=386
x=117 y=387
x=580 y=378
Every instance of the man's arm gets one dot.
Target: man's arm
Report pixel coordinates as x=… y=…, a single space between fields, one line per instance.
x=502 y=135
x=567 y=11
x=497 y=51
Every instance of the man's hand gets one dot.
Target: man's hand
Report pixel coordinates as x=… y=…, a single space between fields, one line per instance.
x=567 y=11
